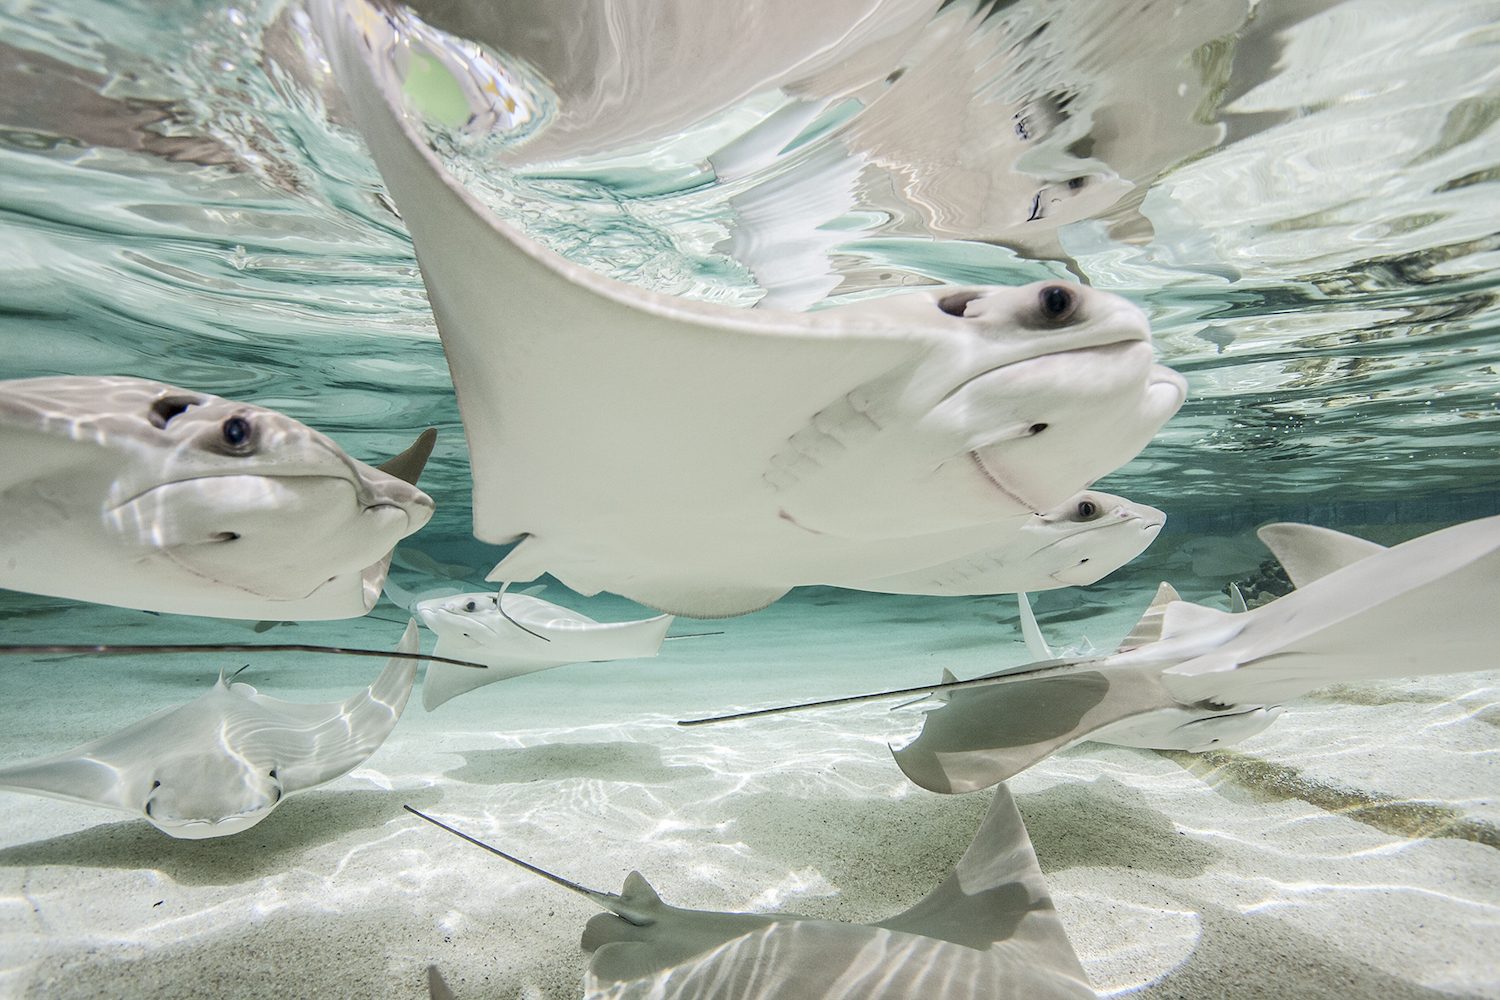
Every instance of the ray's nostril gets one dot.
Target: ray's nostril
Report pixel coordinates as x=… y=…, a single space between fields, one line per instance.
x=167 y=407
x=955 y=304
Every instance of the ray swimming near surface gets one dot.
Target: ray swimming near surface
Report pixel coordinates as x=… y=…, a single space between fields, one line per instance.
x=848 y=444
x=129 y=492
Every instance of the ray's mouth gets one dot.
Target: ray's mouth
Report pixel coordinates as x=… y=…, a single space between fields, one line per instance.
x=1119 y=340
x=1010 y=494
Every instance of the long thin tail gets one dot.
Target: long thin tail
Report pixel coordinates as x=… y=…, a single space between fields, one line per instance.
x=608 y=900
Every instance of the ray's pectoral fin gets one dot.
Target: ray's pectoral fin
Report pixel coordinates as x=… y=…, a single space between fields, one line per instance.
x=985 y=735
x=72 y=779
x=688 y=600
x=356 y=727
x=996 y=893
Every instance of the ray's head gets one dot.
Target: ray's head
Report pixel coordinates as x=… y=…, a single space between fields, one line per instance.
x=204 y=795
x=463 y=619
x=1056 y=388
x=1019 y=398
x=1090 y=535
x=238 y=495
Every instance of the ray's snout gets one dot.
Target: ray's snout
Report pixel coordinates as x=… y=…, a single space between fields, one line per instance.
x=1051 y=305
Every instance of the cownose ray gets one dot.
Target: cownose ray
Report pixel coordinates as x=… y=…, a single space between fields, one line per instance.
x=1079 y=542
x=989 y=930
x=129 y=492
x=702 y=459
x=1189 y=677
x=219 y=764
x=514 y=634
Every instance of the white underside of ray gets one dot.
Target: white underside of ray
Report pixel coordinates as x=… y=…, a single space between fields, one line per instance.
x=1421 y=607
x=97 y=504
x=691 y=456
x=48 y=545
x=530 y=635
x=207 y=766
x=1191 y=677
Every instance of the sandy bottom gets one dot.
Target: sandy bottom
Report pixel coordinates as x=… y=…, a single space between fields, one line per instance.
x=1349 y=851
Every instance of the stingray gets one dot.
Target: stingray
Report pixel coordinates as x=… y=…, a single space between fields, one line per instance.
x=988 y=931
x=515 y=634
x=1075 y=544
x=129 y=492
x=218 y=765
x=1189 y=677
x=702 y=459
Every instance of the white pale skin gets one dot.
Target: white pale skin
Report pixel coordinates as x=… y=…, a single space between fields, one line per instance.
x=220 y=764
x=1077 y=543
x=531 y=634
x=702 y=459
x=988 y=931
x=130 y=492
x=1191 y=677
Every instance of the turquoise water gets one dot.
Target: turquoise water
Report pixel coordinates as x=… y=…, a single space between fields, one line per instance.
x=1324 y=274
x=1304 y=200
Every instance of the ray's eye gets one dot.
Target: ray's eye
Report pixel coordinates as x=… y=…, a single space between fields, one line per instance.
x=1087 y=509
x=236 y=431
x=1036 y=429
x=471 y=606
x=1056 y=302
x=272 y=774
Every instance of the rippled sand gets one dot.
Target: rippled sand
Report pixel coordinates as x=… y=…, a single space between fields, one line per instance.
x=1280 y=869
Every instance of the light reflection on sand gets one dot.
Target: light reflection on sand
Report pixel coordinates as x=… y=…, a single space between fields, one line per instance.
x=1165 y=878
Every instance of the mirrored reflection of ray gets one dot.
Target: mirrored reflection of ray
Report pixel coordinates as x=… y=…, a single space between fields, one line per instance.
x=988 y=930
x=46 y=101
x=219 y=765
x=953 y=120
